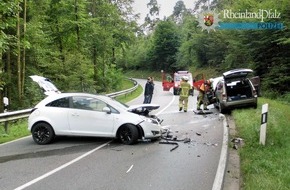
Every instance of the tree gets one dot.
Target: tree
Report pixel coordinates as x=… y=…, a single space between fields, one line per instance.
x=164 y=46
x=8 y=20
x=179 y=11
x=76 y=43
x=152 y=18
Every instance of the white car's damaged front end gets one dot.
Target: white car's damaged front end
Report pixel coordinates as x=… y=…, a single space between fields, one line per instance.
x=151 y=124
x=151 y=128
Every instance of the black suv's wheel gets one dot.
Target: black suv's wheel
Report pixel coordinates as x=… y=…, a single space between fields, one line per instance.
x=255 y=106
x=128 y=134
x=42 y=133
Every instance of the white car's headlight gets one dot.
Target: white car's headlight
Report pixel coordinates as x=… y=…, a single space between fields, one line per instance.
x=151 y=120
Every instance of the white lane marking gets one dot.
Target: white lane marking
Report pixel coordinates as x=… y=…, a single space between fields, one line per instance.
x=219 y=177
x=166 y=106
x=60 y=168
x=129 y=169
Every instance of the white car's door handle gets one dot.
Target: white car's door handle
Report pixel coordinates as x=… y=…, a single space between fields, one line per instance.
x=75 y=114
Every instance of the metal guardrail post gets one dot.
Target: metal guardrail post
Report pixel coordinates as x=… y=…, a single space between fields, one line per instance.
x=5 y=124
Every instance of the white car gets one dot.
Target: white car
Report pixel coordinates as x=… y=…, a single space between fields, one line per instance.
x=83 y=114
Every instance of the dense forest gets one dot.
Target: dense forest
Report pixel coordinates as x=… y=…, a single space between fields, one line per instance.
x=86 y=45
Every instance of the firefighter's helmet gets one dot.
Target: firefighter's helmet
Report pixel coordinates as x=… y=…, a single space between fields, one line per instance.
x=185 y=78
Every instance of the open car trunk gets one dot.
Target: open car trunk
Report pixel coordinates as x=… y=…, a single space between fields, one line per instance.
x=239 y=90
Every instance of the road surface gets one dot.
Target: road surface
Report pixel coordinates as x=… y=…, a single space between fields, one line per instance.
x=100 y=163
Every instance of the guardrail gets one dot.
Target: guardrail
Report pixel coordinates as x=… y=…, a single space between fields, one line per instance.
x=14 y=115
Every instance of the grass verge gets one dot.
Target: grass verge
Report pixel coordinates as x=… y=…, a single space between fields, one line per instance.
x=127 y=97
x=264 y=167
x=15 y=130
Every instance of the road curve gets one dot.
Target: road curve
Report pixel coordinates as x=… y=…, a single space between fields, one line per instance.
x=98 y=163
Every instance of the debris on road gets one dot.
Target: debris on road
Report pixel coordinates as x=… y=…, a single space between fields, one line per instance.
x=187 y=140
x=202 y=112
x=173 y=140
x=238 y=143
x=210 y=144
x=172 y=143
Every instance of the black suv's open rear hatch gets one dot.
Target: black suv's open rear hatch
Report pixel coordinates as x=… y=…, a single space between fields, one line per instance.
x=236 y=74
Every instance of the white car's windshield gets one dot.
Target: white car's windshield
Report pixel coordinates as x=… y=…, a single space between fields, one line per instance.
x=115 y=103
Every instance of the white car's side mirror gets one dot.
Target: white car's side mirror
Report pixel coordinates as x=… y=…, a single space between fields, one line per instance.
x=107 y=110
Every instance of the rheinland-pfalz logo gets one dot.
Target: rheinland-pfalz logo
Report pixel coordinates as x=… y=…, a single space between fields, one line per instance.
x=248 y=20
x=208 y=20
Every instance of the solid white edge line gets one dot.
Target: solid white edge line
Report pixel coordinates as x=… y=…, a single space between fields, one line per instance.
x=60 y=168
x=219 y=178
x=166 y=106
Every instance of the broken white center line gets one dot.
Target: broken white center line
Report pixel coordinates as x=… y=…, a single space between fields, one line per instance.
x=129 y=169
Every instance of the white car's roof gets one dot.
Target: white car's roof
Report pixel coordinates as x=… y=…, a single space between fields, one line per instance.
x=104 y=98
x=52 y=97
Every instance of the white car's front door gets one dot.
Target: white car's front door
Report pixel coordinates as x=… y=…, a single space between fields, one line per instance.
x=88 y=118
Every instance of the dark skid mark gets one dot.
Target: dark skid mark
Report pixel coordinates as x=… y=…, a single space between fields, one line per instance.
x=47 y=153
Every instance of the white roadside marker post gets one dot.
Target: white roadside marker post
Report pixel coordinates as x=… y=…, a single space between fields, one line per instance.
x=263 y=129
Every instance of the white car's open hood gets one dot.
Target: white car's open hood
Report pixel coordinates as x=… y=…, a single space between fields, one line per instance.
x=45 y=84
x=142 y=109
x=148 y=107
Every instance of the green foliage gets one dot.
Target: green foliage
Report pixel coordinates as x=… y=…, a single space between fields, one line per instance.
x=144 y=74
x=133 y=95
x=165 y=43
x=264 y=167
x=264 y=51
x=16 y=130
x=136 y=56
x=77 y=44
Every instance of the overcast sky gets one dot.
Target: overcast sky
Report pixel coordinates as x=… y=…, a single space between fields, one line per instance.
x=166 y=7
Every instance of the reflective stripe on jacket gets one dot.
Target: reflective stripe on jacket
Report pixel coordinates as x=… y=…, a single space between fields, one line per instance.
x=184 y=89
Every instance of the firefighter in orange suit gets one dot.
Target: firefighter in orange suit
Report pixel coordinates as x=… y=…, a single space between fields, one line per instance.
x=202 y=97
x=184 y=93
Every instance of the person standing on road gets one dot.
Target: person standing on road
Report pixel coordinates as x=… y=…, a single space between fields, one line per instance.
x=184 y=93
x=202 y=95
x=148 y=92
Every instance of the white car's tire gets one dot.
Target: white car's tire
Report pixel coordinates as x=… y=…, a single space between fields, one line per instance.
x=42 y=133
x=128 y=134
